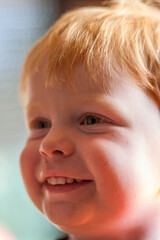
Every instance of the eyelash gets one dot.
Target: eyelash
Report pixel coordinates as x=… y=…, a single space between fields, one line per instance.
x=93 y=120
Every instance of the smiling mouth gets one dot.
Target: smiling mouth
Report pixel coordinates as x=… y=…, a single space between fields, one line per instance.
x=64 y=184
x=62 y=180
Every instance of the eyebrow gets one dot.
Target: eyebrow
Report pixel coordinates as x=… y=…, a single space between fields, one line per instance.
x=30 y=107
x=106 y=100
x=84 y=100
x=111 y=105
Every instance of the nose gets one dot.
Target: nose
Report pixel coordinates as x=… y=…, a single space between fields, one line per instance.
x=56 y=143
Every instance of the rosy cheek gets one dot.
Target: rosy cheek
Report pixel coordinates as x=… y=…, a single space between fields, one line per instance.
x=29 y=160
x=27 y=164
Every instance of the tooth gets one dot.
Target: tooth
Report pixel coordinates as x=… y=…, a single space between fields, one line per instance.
x=61 y=180
x=55 y=181
x=79 y=180
x=70 y=180
x=52 y=181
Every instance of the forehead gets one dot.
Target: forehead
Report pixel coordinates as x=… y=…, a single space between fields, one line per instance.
x=82 y=87
x=80 y=79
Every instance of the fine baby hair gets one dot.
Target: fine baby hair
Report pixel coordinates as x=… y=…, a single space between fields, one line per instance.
x=127 y=34
x=90 y=91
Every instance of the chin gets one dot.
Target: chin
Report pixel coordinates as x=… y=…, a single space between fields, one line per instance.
x=66 y=220
x=71 y=222
x=67 y=214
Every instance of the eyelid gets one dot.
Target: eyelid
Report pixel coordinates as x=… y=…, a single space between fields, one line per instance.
x=32 y=123
x=106 y=119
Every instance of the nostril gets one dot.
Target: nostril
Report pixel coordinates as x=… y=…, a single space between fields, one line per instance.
x=58 y=152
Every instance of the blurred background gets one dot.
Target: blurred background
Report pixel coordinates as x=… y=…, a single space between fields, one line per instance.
x=22 y=23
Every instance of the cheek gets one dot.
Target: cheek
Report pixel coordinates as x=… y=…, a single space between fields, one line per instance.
x=108 y=161
x=108 y=158
x=29 y=160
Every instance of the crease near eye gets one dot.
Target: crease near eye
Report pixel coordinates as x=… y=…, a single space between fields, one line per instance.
x=93 y=119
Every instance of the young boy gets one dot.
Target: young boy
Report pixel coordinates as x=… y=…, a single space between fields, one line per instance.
x=91 y=95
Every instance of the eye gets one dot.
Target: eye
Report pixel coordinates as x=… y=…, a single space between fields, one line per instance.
x=40 y=124
x=90 y=119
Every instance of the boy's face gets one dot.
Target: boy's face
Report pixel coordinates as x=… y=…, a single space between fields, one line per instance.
x=111 y=141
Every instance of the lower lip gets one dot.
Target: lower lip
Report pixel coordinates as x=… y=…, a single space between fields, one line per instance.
x=66 y=187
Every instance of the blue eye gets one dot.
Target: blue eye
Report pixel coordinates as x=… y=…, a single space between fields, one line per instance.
x=91 y=120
